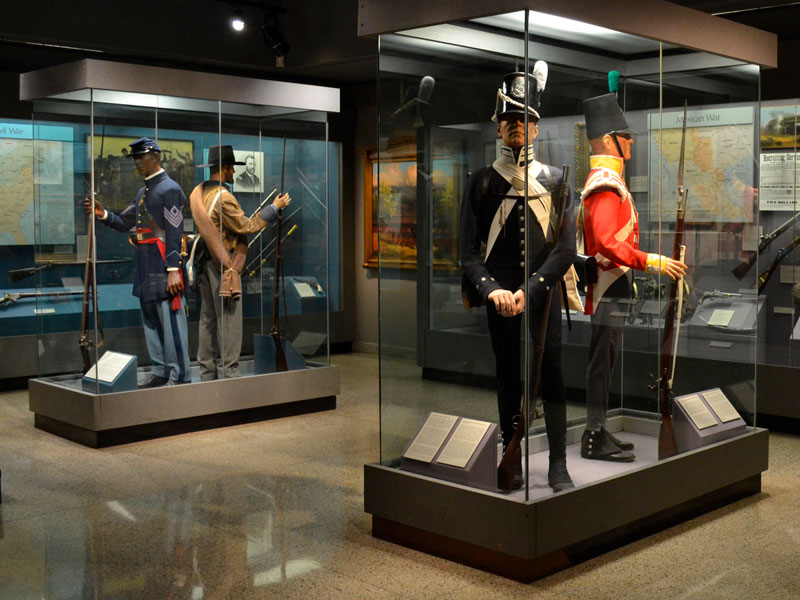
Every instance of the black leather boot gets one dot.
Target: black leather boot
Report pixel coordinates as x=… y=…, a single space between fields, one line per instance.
x=621 y=444
x=555 y=421
x=597 y=445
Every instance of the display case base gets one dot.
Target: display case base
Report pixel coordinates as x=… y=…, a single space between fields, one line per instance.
x=529 y=540
x=100 y=420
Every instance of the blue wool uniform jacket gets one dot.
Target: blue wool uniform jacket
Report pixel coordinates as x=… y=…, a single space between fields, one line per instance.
x=164 y=200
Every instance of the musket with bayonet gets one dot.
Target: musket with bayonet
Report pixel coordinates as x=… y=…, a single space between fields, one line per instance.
x=741 y=270
x=13 y=297
x=764 y=278
x=275 y=332
x=667 y=446
x=263 y=203
x=253 y=267
x=89 y=296
x=85 y=342
x=20 y=274
x=258 y=235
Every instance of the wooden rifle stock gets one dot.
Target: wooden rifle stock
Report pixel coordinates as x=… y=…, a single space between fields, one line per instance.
x=782 y=253
x=513 y=453
x=89 y=294
x=741 y=270
x=11 y=298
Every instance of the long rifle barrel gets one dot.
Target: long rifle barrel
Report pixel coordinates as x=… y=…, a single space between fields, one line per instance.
x=667 y=446
x=764 y=278
x=20 y=274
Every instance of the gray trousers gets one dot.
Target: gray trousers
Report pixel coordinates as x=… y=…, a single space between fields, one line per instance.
x=220 y=328
x=608 y=323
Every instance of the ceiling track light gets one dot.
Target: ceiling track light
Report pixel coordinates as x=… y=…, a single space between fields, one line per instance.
x=274 y=38
x=237 y=20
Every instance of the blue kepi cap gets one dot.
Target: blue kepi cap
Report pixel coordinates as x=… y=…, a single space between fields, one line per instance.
x=143 y=146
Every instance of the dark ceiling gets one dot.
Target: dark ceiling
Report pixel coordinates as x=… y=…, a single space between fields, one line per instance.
x=195 y=34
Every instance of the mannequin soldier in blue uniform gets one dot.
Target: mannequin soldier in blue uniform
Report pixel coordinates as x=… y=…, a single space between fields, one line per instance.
x=157 y=214
x=492 y=213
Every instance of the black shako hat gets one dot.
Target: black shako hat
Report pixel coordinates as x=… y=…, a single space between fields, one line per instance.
x=143 y=146
x=220 y=155
x=511 y=97
x=603 y=115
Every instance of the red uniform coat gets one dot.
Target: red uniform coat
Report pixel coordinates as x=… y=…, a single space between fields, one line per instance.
x=610 y=226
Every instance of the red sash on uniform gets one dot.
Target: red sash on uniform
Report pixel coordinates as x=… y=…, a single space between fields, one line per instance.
x=142 y=237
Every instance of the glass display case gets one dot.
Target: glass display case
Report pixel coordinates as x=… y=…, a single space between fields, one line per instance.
x=687 y=349
x=97 y=289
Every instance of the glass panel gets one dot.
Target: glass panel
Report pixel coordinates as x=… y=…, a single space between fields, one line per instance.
x=434 y=130
x=719 y=344
x=437 y=89
x=46 y=239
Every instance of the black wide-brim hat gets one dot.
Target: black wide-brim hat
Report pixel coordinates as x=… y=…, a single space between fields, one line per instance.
x=143 y=146
x=603 y=115
x=220 y=155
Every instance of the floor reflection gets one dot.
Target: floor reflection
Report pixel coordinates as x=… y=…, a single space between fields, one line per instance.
x=208 y=540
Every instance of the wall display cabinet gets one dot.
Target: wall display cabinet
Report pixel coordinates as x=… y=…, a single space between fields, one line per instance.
x=75 y=281
x=440 y=70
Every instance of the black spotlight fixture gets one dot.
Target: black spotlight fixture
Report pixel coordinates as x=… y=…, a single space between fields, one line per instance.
x=237 y=20
x=273 y=37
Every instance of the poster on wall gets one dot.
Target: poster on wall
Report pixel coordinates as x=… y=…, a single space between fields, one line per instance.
x=248 y=177
x=718 y=167
x=779 y=182
x=36 y=186
x=778 y=127
x=116 y=179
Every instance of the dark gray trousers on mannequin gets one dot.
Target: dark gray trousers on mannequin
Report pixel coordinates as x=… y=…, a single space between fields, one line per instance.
x=608 y=322
x=219 y=341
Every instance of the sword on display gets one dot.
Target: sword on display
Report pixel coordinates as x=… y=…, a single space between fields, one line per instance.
x=667 y=446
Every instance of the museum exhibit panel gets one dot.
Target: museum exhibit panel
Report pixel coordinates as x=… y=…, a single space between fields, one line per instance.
x=775 y=267
x=97 y=131
x=682 y=395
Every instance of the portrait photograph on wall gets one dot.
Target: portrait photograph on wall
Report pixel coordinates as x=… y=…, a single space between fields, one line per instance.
x=248 y=177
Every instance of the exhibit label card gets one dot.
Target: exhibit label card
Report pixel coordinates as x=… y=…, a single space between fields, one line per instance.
x=720 y=404
x=430 y=438
x=721 y=318
x=109 y=366
x=697 y=411
x=463 y=443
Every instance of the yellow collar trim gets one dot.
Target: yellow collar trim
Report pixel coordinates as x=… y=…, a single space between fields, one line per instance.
x=615 y=163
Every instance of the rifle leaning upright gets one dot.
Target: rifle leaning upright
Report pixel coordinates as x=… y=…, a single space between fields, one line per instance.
x=667 y=446
x=513 y=453
x=275 y=332
x=89 y=295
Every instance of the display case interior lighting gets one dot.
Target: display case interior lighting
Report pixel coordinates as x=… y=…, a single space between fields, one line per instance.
x=237 y=20
x=569 y=30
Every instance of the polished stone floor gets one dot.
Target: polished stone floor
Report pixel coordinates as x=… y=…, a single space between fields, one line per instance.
x=274 y=510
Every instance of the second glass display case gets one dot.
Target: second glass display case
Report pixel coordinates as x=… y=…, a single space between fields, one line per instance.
x=429 y=147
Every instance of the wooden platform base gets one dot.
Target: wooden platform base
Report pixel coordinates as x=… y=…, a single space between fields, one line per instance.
x=527 y=540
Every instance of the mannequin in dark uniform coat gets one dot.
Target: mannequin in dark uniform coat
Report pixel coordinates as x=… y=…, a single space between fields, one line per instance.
x=157 y=213
x=500 y=279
